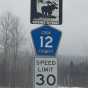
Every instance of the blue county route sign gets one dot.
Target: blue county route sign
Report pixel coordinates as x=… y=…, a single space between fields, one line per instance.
x=46 y=40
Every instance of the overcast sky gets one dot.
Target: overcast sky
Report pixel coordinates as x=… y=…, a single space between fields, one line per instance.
x=75 y=23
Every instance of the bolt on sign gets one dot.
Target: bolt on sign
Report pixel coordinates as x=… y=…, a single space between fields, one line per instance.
x=46 y=40
x=46 y=12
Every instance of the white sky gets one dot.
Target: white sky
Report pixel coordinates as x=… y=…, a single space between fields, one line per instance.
x=75 y=23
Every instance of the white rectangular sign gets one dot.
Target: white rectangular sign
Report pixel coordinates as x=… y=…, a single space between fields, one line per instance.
x=45 y=75
x=46 y=12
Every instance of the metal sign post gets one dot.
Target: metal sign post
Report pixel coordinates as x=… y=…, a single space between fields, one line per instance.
x=46 y=40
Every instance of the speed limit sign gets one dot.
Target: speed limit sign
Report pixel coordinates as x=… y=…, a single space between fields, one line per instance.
x=45 y=73
x=46 y=40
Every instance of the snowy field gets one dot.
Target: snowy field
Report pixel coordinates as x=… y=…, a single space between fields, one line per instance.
x=69 y=87
x=58 y=87
x=11 y=87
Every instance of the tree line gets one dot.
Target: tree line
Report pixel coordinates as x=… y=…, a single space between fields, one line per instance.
x=13 y=72
x=73 y=74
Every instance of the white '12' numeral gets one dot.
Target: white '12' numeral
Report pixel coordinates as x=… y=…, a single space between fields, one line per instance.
x=48 y=41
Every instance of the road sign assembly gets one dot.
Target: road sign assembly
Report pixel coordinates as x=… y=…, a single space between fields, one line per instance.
x=46 y=40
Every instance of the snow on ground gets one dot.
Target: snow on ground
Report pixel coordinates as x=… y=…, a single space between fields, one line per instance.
x=69 y=87
x=58 y=87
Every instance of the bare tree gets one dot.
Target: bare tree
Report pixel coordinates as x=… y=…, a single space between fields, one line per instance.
x=10 y=41
x=4 y=29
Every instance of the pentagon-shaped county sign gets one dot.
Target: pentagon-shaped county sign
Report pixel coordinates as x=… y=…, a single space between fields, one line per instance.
x=46 y=40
